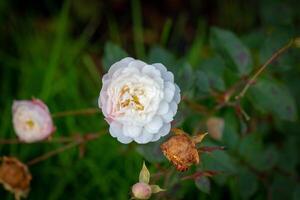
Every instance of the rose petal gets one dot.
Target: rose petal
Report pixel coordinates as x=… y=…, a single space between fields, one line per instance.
x=173 y=107
x=156 y=137
x=169 y=91
x=168 y=117
x=123 y=139
x=163 y=108
x=168 y=76
x=177 y=96
x=132 y=131
x=154 y=125
x=165 y=129
x=118 y=65
x=144 y=138
x=160 y=67
x=115 y=129
x=137 y=64
x=151 y=71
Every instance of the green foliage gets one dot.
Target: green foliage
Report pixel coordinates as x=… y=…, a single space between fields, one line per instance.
x=247 y=183
x=232 y=49
x=210 y=75
x=271 y=96
x=203 y=184
x=113 y=53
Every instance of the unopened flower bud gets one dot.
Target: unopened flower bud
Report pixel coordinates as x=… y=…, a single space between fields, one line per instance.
x=215 y=127
x=32 y=120
x=141 y=191
x=297 y=42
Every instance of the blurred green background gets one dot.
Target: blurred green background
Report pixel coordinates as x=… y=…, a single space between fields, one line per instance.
x=58 y=50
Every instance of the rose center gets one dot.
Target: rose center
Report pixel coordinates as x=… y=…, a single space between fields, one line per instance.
x=129 y=97
x=30 y=124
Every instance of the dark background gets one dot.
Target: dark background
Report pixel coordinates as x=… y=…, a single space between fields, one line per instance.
x=57 y=51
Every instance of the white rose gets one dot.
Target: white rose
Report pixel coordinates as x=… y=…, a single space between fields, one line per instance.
x=138 y=100
x=32 y=120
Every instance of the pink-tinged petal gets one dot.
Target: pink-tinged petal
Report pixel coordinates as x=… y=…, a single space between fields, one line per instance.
x=40 y=103
x=115 y=129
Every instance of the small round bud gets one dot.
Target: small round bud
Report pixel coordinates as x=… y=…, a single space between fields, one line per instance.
x=141 y=191
x=297 y=42
x=215 y=126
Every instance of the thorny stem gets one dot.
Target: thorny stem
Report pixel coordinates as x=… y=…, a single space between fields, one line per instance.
x=77 y=141
x=87 y=111
x=278 y=53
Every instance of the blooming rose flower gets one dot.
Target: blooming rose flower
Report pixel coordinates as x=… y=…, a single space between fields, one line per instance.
x=32 y=120
x=138 y=100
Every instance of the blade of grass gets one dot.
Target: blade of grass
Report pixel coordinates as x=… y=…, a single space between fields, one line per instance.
x=166 y=32
x=56 y=51
x=137 y=29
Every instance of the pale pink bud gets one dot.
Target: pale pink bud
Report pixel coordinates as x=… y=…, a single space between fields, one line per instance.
x=141 y=191
x=32 y=120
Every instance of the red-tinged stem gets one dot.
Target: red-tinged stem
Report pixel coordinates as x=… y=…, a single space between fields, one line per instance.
x=49 y=140
x=78 y=141
x=250 y=81
x=87 y=111
x=211 y=149
x=52 y=153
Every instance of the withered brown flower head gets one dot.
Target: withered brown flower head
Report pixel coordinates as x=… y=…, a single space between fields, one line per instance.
x=181 y=150
x=15 y=176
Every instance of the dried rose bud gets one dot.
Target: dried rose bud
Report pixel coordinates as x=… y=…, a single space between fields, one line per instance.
x=15 y=176
x=141 y=191
x=32 y=120
x=215 y=127
x=181 y=150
